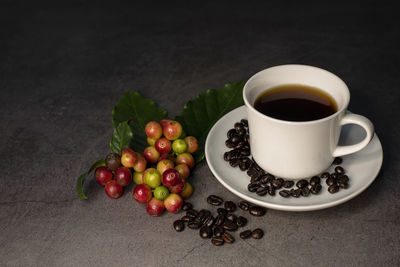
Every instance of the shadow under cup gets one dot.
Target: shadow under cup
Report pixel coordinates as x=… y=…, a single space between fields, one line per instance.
x=294 y=150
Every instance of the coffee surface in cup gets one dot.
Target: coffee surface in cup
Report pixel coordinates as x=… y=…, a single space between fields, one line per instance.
x=294 y=102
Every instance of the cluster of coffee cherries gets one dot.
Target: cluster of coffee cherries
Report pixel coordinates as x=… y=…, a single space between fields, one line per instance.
x=160 y=173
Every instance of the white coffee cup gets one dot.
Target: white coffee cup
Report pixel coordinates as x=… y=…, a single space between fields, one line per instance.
x=300 y=149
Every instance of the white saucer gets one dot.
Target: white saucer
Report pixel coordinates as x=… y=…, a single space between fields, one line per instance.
x=361 y=167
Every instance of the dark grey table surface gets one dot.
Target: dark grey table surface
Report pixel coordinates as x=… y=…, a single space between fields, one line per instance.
x=64 y=66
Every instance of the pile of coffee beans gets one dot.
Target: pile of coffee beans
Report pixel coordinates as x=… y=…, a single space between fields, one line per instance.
x=220 y=227
x=263 y=183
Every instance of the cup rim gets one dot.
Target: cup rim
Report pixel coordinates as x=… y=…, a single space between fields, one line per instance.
x=339 y=111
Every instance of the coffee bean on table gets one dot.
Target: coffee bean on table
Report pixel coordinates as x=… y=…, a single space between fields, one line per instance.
x=203 y=214
x=187 y=218
x=302 y=183
x=339 y=170
x=220 y=219
x=325 y=175
x=214 y=200
x=284 y=193
x=245 y=234
x=333 y=175
x=229 y=226
x=218 y=230
x=196 y=224
x=244 y=205
x=222 y=211
x=288 y=184
x=257 y=233
x=241 y=221
x=228 y=238
x=315 y=180
x=209 y=221
x=257 y=211
x=217 y=241
x=333 y=189
x=315 y=189
x=187 y=206
x=230 y=206
x=179 y=225
x=337 y=161
x=205 y=232
x=192 y=213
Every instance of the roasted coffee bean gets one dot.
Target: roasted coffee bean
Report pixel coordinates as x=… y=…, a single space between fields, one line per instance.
x=238 y=125
x=222 y=211
x=228 y=238
x=229 y=226
x=231 y=217
x=339 y=170
x=255 y=178
x=187 y=206
x=315 y=189
x=343 y=185
x=241 y=131
x=264 y=186
x=252 y=172
x=257 y=211
x=227 y=156
x=205 y=232
x=325 y=175
x=230 y=133
x=235 y=139
x=240 y=146
x=302 y=183
x=218 y=230
x=230 y=206
x=333 y=189
x=209 y=221
x=257 y=233
x=214 y=200
x=284 y=193
x=192 y=213
x=246 y=138
x=244 y=205
x=333 y=175
x=179 y=225
x=295 y=192
x=245 y=234
x=330 y=181
x=229 y=143
x=187 y=218
x=244 y=153
x=288 y=184
x=234 y=162
x=203 y=214
x=220 y=219
x=262 y=191
x=337 y=161
x=241 y=221
x=243 y=166
x=252 y=187
x=343 y=179
x=315 y=180
x=271 y=191
x=244 y=122
x=196 y=224
x=217 y=241
x=305 y=191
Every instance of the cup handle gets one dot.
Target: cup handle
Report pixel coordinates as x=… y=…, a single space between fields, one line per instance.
x=363 y=122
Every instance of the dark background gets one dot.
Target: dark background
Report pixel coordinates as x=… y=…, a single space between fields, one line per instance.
x=64 y=65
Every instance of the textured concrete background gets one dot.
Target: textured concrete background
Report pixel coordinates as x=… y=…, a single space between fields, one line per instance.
x=64 y=66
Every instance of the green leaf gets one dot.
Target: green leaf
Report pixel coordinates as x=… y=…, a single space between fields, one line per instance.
x=201 y=113
x=137 y=112
x=121 y=138
x=82 y=178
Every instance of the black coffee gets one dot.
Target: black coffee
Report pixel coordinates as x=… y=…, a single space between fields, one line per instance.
x=295 y=103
